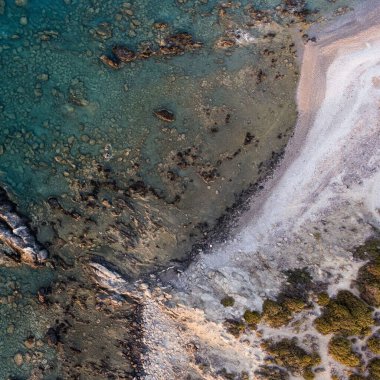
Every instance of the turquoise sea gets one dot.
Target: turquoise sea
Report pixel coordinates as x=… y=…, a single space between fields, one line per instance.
x=100 y=177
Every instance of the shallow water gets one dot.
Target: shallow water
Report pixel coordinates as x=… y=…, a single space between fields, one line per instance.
x=98 y=175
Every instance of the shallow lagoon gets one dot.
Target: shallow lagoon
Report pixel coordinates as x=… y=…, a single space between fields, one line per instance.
x=99 y=176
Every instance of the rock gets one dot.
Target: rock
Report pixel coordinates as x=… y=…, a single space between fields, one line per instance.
x=15 y=233
x=18 y=359
x=10 y=329
x=173 y=45
x=21 y=3
x=110 y=62
x=165 y=115
x=225 y=43
x=160 y=25
x=29 y=343
x=123 y=54
x=183 y=41
x=24 y=20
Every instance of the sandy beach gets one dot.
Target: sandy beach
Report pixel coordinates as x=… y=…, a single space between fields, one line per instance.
x=323 y=200
x=330 y=176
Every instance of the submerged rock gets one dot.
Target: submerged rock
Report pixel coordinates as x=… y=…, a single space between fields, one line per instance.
x=110 y=62
x=175 y=44
x=123 y=54
x=165 y=115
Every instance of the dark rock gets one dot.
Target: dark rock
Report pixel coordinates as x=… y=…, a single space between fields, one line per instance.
x=123 y=54
x=165 y=115
x=183 y=41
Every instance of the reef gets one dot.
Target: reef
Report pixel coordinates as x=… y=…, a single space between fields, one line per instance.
x=172 y=45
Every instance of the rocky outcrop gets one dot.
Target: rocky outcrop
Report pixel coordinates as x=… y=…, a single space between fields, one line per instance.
x=165 y=115
x=175 y=44
x=16 y=234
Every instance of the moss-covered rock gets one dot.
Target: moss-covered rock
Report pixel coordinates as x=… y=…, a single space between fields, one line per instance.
x=373 y=344
x=340 y=349
x=228 y=301
x=252 y=318
x=374 y=369
x=346 y=314
x=286 y=353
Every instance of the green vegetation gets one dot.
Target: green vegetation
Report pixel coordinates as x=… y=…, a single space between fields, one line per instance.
x=373 y=344
x=228 y=301
x=340 y=349
x=374 y=369
x=323 y=299
x=299 y=283
x=252 y=318
x=345 y=314
x=266 y=372
x=275 y=315
x=279 y=314
x=369 y=283
x=288 y=354
x=369 y=274
x=234 y=327
x=355 y=376
x=370 y=250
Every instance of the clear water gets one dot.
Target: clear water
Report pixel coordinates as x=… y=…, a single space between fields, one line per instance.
x=73 y=169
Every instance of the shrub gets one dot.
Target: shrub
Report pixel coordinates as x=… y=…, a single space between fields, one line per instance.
x=369 y=283
x=341 y=350
x=252 y=318
x=288 y=354
x=227 y=301
x=373 y=344
x=374 y=369
x=235 y=327
x=275 y=315
x=323 y=299
x=346 y=314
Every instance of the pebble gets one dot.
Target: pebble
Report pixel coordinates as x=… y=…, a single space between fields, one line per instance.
x=23 y=20
x=18 y=359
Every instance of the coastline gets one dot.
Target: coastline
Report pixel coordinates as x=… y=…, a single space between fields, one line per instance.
x=285 y=227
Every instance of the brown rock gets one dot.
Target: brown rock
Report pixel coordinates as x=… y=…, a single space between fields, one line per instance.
x=165 y=115
x=160 y=25
x=18 y=359
x=123 y=54
x=110 y=62
x=225 y=43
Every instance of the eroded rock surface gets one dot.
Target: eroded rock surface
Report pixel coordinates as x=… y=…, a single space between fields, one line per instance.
x=15 y=233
